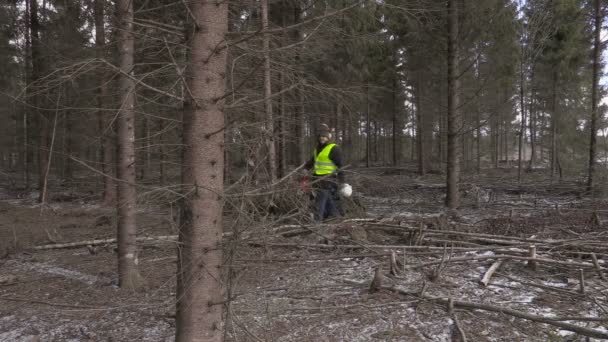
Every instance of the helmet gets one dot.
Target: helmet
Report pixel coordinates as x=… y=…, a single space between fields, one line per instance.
x=346 y=190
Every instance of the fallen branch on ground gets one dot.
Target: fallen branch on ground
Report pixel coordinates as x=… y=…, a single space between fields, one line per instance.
x=486 y=277
x=169 y=238
x=555 y=321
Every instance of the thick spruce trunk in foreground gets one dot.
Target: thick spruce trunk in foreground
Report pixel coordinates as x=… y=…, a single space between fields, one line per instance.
x=199 y=279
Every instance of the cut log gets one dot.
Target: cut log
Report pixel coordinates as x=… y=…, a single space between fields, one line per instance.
x=486 y=277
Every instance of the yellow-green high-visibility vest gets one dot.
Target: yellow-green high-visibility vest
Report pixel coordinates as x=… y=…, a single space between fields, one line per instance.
x=323 y=165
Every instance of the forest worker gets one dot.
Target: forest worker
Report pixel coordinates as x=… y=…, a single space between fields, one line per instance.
x=326 y=163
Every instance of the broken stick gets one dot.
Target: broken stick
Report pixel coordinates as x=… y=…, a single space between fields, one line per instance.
x=486 y=277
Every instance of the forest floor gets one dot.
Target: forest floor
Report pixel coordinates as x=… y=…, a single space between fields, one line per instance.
x=312 y=282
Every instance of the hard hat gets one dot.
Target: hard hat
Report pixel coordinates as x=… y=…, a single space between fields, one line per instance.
x=346 y=190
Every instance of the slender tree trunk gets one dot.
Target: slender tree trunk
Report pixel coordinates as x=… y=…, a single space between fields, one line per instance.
x=161 y=152
x=28 y=80
x=68 y=167
x=454 y=119
x=554 y=127
x=478 y=141
x=506 y=127
x=395 y=124
x=41 y=116
x=376 y=141
x=594 y=95
x=543 y=125
x=127 y=229
x=199 y=292
x=107 y=147
x=299 y=135
x=532 y=124
x=421 y=141
x=272 y=155
x=282 y=143
x=368 y=129
x=522 y=130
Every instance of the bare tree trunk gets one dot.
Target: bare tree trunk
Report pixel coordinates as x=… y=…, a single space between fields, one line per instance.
x=199 y=292
x=454 y=119
x=42 y=117
x=161 y=152
x=506 y=127
x=554 y=127
x=420 y=141
x=127 y=229
x=395 y=124
x=107 y=148
x=532 y=124
x=68 y=167
x=272 y=155
x=28 y=81
x=594 y=95
x=282 y=143
x=522 y=130
x=478 y=141
x=299 y=129
x=368 y=128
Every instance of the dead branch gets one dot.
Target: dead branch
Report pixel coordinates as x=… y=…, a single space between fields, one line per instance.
x=515 y=313
x=486 y=277
x=167 y=238
x=457 y=324
x=541 y=286
x=513 y=257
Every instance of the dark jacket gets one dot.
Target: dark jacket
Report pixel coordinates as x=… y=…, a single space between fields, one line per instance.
x=335 y=155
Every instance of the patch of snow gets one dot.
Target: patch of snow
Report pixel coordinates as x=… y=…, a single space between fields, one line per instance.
x=555 y=284
x=565 y=333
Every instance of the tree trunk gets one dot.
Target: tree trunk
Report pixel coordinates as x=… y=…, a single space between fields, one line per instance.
x=68 y=167
x=28 y=80
x=299 y=152
x=478 y=141
x=272 y=155
x=395 y=124
x=368 y=128
x=282 y=143
x=43 y=124
x=522 y=130
x=532 y=124
x=107 y=147
x=594 y=95
x=127 y=230
x=454 y=119
x=199 y=280
x=554 y=126
x=421 y=141
x=161 y=152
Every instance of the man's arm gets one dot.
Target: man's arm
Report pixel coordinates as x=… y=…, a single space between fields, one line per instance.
x=336 y=156
x=310 y=163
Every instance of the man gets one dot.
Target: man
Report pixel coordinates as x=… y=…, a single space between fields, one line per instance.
x=326 y=163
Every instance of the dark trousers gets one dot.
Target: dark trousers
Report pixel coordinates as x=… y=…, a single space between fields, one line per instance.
x=326 y=200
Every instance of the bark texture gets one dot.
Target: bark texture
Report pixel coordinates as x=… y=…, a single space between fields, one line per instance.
x=594 y=94
x=453 y=167
x=127 y=228
x=199 y=280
